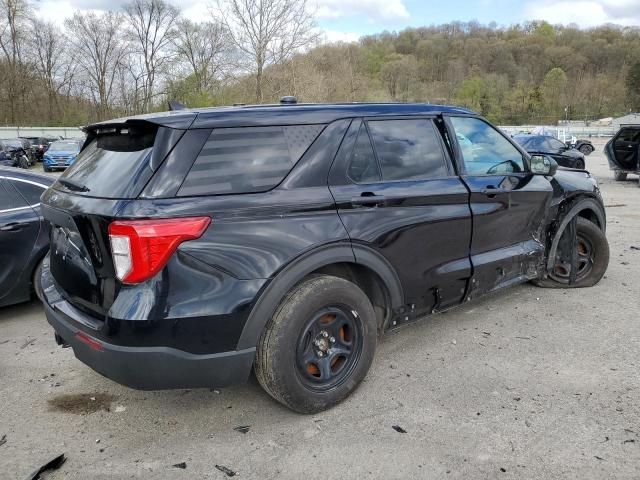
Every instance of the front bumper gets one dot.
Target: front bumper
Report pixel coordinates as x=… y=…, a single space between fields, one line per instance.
x=141 y=367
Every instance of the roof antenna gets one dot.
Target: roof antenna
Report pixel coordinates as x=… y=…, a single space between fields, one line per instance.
x=173 y=105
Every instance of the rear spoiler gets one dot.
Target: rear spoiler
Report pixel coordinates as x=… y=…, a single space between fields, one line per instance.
x=179 y=119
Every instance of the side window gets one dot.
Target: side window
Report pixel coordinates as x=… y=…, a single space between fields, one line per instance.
x=29 y=191
x=363 y=167
x=247 y=159
x=9 y=198
x=408 y=149
x=484 y=150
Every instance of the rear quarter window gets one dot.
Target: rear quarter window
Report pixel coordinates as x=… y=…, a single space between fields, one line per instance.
x=247 y=159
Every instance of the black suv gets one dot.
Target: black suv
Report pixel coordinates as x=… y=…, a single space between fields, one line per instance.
x=191 y=246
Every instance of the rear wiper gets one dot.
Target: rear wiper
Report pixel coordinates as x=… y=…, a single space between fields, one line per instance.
x=73 y=185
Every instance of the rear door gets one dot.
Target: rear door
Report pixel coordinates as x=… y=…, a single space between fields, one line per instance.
x=508 y=203
x=19 y=226
x=397 y=192
x=626 y=146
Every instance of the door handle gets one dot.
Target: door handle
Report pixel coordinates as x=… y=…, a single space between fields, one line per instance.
x=13 y=227
x=491 y=191
x=368 y=199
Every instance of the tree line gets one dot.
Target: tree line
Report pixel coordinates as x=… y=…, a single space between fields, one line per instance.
x=102 y=65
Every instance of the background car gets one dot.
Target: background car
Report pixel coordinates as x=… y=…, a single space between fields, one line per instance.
x=12 y=154
x=623 y=152
x=583 y=146
x=24 y=145
x=39 y=145
x=61 y=154
x=24 y=234
x=551 y=146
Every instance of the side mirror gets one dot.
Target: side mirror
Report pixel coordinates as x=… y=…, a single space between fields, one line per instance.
x=543 y=165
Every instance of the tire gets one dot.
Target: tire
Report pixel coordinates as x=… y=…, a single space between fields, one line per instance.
x=292 y=336
x=598 y=245
x=586 y=149
x=46 y=169
x=37 y=285
x=580 y=165
x=23 y=162
x=619 y=176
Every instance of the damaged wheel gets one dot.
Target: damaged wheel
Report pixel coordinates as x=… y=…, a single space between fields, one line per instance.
x=318 y=346
x=592 y=253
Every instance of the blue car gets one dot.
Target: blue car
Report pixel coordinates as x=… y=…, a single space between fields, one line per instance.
x=61 y=154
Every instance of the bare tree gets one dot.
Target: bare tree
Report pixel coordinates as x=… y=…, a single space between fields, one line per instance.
x=50 y=54
x=205 y=49
x=98 y=51
x=151 y=23
x=267 y=31
x=13 y=34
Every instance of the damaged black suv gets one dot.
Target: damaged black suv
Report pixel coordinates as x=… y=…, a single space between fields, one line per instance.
x=191 y=246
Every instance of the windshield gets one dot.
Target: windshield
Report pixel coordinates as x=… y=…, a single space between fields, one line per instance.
x=64 y=147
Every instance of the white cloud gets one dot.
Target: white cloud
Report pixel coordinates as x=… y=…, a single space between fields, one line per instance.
x=371 y=10
x=586 y=13
x=333 y=36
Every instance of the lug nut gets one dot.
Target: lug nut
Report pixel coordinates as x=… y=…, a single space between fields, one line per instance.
x=325 y=334
x=332 y=340
x=320 y=353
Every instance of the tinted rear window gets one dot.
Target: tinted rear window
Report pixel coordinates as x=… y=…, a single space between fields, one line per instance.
x=113 y=163
x=247 y=159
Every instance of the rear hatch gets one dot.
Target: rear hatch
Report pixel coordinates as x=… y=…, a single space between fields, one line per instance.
x=113 y=167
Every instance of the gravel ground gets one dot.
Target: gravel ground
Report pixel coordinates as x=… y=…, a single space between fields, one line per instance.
x=526 y=383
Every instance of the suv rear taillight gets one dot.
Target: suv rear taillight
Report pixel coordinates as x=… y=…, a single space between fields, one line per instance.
x=141 y=248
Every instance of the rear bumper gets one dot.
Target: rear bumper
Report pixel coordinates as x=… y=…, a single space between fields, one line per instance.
x=150 y=368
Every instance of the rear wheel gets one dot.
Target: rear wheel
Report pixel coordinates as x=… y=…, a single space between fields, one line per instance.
x=619 y=176
x=319 y=344
x=593 y=258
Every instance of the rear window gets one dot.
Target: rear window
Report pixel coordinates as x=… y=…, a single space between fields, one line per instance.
x=247 y=159
x=112 y=165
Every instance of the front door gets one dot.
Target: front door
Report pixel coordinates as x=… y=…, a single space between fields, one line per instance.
x=397 y=193
x=508 y=204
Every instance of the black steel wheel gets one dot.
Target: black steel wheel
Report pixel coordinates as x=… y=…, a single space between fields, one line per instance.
x=318 y=345
x=592 y=252
x=562 y=268
x=329 y=347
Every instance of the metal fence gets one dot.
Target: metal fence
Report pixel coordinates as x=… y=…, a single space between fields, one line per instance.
x=564 y=133
x=64 y=132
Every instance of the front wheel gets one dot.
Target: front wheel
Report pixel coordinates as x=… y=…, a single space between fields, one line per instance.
x=593 y=259
x=319 y=344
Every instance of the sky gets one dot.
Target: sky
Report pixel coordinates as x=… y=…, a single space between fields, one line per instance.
x=347 y=20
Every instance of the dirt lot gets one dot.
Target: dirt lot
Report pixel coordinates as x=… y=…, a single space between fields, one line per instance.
x=527 y=383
